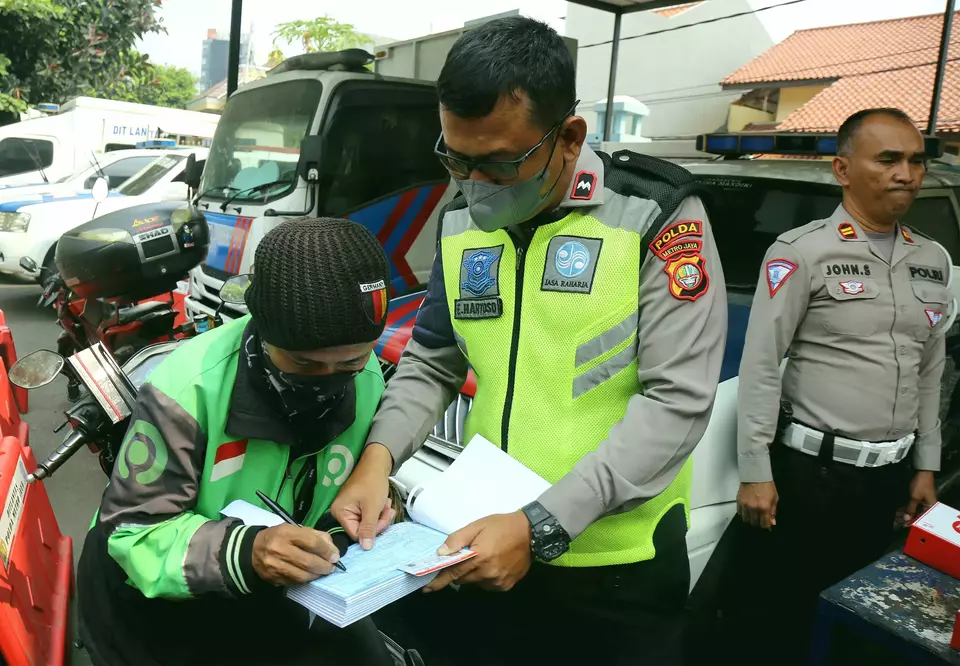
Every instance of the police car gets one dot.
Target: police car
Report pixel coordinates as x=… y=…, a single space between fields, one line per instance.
x=751 y=201
x=32 y=223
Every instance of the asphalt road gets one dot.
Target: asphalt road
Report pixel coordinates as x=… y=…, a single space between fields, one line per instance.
x=76 y=488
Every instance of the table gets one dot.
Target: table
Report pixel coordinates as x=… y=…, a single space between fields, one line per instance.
x=897 y=602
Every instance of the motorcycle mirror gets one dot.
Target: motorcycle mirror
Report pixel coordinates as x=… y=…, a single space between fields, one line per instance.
x=28 y=264
x=100 y=190
x=234 y=288
x=36 y=369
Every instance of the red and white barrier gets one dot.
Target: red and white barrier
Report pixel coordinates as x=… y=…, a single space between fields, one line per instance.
x=36 y=566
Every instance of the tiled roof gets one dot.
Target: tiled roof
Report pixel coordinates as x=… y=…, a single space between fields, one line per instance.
x=669 y=12
x=847 y=50
x=244 y=75
x=907 y=89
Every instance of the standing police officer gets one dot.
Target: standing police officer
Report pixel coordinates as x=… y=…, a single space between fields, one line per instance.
x=602 y=389
x=859 y=305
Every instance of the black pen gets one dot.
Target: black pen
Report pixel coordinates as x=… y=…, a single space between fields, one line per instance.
x=287 y=518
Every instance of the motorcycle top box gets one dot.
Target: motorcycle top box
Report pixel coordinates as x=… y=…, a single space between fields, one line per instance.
x=133 y=253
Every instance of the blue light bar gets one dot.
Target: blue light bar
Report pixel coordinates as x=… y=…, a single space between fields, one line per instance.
x=757 y=144
x=158 y=143
x=721 y=143
x=827 y=145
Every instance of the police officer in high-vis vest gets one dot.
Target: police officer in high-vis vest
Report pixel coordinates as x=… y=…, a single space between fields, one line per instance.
x=857 y=304
x=586 y=293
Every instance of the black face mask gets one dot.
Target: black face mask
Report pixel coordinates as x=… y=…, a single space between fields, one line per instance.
x=305 y=394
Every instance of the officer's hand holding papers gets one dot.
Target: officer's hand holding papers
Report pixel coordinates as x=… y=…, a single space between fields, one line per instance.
x=476 y=502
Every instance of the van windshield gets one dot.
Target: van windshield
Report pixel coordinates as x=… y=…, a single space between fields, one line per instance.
x=258 y=141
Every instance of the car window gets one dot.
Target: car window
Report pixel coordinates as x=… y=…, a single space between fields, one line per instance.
x=150 y=175
x=18 y=155
x=935 y=217
x=747 y=215
x=126 y=168
x=389 y=130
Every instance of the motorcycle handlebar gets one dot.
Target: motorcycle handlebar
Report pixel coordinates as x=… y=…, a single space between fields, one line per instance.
x=52 y=463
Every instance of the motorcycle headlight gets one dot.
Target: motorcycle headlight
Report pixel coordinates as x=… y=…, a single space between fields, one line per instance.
x=14 y=222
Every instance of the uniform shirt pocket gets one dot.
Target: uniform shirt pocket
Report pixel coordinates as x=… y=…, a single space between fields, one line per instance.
x=932 y=302
x=853 y=311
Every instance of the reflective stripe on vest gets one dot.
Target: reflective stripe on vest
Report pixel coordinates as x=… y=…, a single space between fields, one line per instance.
x=576 y=355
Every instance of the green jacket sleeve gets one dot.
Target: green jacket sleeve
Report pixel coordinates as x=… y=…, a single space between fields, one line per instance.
x=165 y=548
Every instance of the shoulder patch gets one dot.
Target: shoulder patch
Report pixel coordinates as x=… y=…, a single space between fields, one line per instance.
x=791 y=236
x=778 y=270
x=688 y=277
x=676 y=231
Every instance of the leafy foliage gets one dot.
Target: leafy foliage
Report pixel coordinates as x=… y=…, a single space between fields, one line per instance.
x=54 y=51
x=160 y=85
x=319 y=34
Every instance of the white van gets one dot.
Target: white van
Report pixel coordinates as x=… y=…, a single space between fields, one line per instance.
x=47 y=149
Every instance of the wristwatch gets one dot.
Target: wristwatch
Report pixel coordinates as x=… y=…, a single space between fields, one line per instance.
x=548 y=539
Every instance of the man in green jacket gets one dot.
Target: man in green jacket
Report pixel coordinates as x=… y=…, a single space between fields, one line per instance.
x=280 y=401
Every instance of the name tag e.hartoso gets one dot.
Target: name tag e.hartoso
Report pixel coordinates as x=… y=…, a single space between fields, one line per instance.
x=478 y=308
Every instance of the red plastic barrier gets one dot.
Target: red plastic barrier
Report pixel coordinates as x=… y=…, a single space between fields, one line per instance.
x=9 y=415
x=8 y=355
x=36 y=566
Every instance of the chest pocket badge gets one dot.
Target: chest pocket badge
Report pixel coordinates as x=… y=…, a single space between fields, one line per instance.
x=571 y=264
x=479 y=284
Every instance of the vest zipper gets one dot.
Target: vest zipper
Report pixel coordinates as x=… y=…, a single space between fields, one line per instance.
x=514 y=345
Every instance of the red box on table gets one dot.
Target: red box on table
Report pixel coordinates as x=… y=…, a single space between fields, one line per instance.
x=935 y=539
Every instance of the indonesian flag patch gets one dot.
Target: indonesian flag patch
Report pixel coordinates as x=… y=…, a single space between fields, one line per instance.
x=228 y=459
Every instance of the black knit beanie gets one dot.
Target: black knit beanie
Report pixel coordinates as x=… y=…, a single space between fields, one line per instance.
x=319 y=283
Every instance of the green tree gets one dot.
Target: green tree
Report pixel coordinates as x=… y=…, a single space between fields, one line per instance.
x=160 y=85
x=57 y=50
x=319 y=34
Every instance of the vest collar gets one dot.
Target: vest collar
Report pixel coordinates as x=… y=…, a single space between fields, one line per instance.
x=253 y=416
x=586 y=188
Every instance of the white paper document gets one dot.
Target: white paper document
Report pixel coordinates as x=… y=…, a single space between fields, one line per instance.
x=482 y=481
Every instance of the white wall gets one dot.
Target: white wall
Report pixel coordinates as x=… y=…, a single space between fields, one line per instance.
x=676 y=74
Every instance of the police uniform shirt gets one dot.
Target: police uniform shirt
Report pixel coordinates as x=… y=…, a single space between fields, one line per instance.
x=862 y=335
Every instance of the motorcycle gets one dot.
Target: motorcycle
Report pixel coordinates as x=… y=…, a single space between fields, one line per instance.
x=110 y=272
x=99 y=419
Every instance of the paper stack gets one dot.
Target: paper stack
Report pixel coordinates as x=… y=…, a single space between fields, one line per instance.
x=482 y=481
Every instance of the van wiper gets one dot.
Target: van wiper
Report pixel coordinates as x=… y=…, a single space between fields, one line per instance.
x=210 y=190
x=37 y=162
x=252 y=190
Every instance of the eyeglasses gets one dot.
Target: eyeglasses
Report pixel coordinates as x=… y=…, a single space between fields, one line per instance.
x=461 y=168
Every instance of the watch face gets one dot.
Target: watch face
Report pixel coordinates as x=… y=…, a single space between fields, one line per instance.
x=550 y=541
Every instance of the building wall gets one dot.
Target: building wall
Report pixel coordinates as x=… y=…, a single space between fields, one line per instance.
x=677 y=73
x=793 y=98
x=741 y=116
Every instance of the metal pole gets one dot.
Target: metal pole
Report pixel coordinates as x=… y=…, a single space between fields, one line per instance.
x=941 y=66
x=612 y=83
x=233 y=56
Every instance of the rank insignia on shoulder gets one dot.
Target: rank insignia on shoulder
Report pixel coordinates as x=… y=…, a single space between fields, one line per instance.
x=778 y=270
x=665 y=242
x=583 y=186
x=688 y=277
x=906 y=234
x=847 y=231
x=934 y=317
